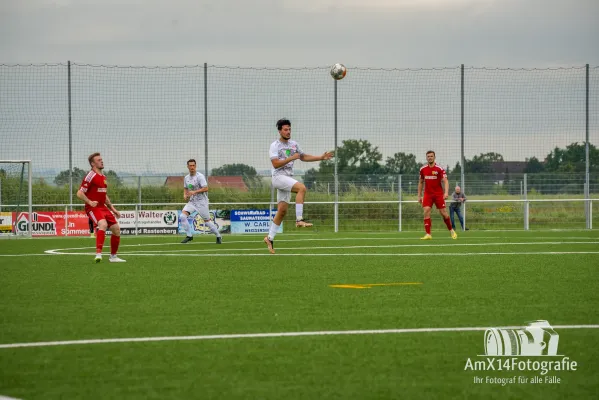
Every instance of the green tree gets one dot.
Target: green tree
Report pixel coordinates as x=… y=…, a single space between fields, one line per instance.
x=358 y=155
x=402 y=163
x=533 y=166
x=78 y=174
x=358 y=161
x=482 y=163
x=572 y=158
x=248 y=173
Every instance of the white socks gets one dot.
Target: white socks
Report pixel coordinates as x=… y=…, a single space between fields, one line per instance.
x=186 y=225
x=299 y=211
x=272 y=231
x=212 y=227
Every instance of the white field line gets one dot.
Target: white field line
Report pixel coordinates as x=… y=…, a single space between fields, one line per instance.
x=270 y=335
x=265 y=254
x=363 y=246
x=429 y=244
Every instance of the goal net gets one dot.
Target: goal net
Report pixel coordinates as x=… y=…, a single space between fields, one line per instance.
x=15 y=198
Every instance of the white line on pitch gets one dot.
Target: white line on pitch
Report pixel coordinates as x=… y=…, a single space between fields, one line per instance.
x=270 y=335
x=229 y=241
x=369 y=246
x=454 y=244
x=456 y=254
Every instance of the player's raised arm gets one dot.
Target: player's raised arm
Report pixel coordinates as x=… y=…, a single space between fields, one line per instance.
x=279 y=163
x=327 y=155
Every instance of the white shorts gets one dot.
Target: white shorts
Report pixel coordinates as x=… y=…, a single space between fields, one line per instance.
x=283 y=184
x=202 y=209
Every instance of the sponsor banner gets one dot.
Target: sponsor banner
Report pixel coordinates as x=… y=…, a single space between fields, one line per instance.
x=252 y=221
x=149 y=222
x=6 y=219
x=54 y=223
x=221 y=219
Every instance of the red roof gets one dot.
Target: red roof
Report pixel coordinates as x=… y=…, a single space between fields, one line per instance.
x=230 y=182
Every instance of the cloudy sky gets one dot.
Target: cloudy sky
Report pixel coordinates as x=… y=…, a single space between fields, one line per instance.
x=150 y=121
x=368 y=33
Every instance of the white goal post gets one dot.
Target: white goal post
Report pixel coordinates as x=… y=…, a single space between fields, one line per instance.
x=15 y=178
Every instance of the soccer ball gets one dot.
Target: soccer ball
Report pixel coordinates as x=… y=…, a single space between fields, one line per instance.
x=338 y=71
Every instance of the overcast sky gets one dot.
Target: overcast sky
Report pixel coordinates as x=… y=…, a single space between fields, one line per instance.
x=151 y=120
x=369 y=33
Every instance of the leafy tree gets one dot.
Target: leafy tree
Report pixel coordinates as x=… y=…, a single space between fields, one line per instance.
x=402 y=163
x=78 y=174
x=572 y=158
x=357 y=161
x=533 y=166
x=248 y=173
x=358 y=155
x=482 y=163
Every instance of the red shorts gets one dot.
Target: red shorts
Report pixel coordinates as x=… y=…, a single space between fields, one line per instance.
x=437 y=199
x=99 y=213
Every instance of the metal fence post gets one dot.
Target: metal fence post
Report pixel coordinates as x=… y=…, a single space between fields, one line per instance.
x=139 y=189
x=587 y=188
x=462 y=157
x=66 y=219
x=70 y=136
x=137 y=206
x=399 y=197
x=336 y=211
x=206 y=119
x=526 y=210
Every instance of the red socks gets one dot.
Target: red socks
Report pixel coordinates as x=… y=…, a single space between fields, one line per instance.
x=100 y=235
x=427 y=226
x=114 y=244
x=448 y=223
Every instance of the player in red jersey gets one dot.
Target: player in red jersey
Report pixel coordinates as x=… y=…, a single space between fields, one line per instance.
x=432 y=176
x=93 y=192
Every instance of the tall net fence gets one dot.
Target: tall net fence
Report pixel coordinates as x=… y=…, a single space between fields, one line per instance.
x=148 y=121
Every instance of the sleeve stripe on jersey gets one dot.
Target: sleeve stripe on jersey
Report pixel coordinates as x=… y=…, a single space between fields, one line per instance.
x=90 y=176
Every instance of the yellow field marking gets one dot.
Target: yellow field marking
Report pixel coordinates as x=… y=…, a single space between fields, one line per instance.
x=370 y=285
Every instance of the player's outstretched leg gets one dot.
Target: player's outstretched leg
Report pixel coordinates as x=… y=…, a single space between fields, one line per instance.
x=187 y=228
x=447 y=221
x=270 y=244
x=115 y=240
x=214 y=229
x=300 y=189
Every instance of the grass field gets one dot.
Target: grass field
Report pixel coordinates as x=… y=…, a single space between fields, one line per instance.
x=326 y=342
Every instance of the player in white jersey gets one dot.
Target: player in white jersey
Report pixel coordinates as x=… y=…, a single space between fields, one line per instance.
x=283 y=152
x=196 y=192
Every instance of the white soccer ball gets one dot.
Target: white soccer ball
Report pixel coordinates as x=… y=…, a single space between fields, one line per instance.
x=338 y=71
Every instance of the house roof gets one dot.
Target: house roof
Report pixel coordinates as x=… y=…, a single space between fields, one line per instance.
x=512 y=167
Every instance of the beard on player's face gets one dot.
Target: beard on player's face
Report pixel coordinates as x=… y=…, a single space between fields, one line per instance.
x=285 y=133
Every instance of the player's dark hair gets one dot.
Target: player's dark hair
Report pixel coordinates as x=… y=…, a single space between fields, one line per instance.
x=90 y=159
x=429 y=152
x=282 y=122
x=191 y=160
